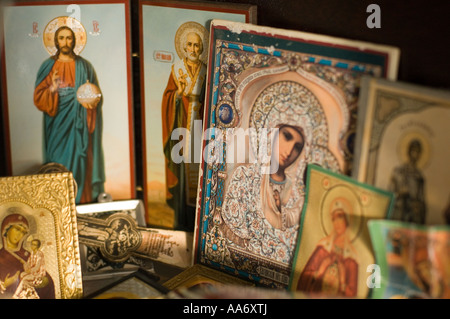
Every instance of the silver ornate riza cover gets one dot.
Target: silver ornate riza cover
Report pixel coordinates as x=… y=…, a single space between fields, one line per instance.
x=268 y=88
x=39 y=253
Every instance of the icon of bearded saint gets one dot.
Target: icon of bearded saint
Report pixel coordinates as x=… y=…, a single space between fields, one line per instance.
x=72 y=130
x=182 y=105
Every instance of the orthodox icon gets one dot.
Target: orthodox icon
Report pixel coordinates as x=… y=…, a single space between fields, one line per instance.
x=175 y=38
x=334 y=248
x=401 y=130
x=276 y=101
x=72 y=122
x=67 y=101
x=39 y=252
x=413 y=260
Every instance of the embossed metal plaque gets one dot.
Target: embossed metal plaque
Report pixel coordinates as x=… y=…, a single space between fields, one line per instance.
x=264 y=81
x=119 y=237
x=39 y=252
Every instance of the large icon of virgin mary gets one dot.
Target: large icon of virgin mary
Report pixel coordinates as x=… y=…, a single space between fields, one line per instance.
x=263 y=201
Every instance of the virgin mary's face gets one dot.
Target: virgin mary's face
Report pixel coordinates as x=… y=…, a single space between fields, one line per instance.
x=16 y=233
x=290 y=144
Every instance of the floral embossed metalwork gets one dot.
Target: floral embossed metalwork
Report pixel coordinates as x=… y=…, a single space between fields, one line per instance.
x=43 y=208
x=264 y=85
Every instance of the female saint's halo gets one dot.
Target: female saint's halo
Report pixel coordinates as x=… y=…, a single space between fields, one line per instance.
x=345 y=198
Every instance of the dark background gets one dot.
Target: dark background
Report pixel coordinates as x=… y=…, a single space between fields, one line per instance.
x=419 y=28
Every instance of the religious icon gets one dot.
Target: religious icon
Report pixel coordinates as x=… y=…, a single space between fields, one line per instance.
x=413 y=260
x=334 y=249
x=272 y=107
x=118 y=239
x=93 y=262
x=182 y=106
x=175 y=43
x=332 y=269
x=225 y=114
x=23 y=274
x=401 y=130
x=39 y=254
x=72 y=121
x=408 y=184
x=57 y=91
